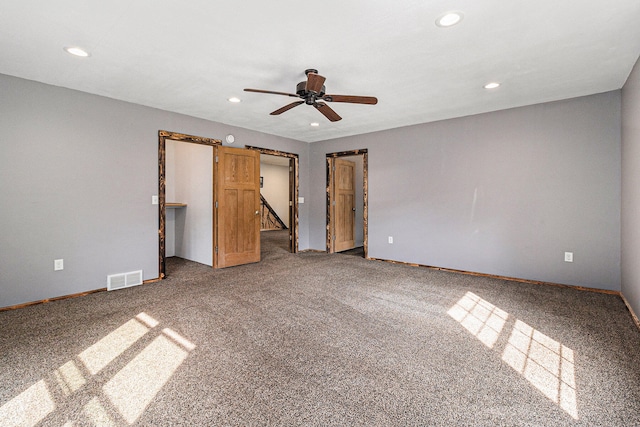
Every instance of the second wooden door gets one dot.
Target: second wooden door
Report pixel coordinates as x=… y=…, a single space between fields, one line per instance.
x=344 y=213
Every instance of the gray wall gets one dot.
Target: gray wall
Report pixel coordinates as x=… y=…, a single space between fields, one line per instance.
x=77 y=173
x=189 y=180
x=504 y=193
x=631 y=189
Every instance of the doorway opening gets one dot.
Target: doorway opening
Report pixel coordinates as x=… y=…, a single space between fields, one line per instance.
x=347 y=202
x=177 y=206
x=275 y=167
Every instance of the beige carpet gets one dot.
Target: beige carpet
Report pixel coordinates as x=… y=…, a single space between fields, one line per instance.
x=315 y=339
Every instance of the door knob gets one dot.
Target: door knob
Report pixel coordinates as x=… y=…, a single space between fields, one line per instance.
x=257 y=212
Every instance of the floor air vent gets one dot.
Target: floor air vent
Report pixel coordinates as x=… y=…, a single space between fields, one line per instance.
x=124 y=280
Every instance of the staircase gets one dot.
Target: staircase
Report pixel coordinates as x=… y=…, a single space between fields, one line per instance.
x=269 y=219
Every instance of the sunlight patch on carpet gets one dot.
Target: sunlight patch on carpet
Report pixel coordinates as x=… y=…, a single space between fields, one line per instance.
x=482 y=319
x=547 y=364
x=97 y=414
x=69 y=377
x=132 y=389
x=99 y=355
x=126 y=394
x=29 y=407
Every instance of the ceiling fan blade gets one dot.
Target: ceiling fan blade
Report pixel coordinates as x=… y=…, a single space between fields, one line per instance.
x=286 y=108
x=327 y=111
x=272 y=92
x=314 y=83
x=371 y=100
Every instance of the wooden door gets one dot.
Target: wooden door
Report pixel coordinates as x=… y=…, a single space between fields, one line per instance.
x=344 y=214
x=237 y=194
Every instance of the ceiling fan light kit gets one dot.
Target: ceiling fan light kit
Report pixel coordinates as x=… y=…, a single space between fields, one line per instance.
x=313 y=92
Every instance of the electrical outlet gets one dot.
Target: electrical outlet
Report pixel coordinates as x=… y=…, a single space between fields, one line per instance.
x=391 y=240
x=154 y=200
x=58 y=264
x=568 y=257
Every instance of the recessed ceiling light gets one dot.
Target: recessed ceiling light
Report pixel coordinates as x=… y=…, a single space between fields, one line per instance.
x=234 y=99
x=76 y=51
x=491 y=85
x=449 y=19
x=315 y=124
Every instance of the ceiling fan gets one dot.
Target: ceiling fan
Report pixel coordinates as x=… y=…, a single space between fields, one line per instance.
x=313 y=93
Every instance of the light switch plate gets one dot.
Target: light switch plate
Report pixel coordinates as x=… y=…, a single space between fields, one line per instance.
x=300 y=199
x=154 y=200
x=568 y=257
x=58 y=264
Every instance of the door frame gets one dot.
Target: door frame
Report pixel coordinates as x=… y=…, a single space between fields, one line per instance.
x=364 y=152
x=294 y=178
x=163 y=135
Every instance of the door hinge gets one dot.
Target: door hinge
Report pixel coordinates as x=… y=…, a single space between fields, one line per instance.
x=290 y=169
x=333 y=203
x=216 y=204
x=216 y=249
x=290 y=203
x=216 y=159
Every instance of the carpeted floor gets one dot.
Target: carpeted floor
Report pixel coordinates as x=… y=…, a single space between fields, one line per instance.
x=318 y=340
x=358 y=251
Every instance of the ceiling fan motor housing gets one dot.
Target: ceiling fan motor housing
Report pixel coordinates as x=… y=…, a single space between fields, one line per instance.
x=301 y=90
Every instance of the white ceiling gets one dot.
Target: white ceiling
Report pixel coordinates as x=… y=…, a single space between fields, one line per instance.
x=191 y=56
